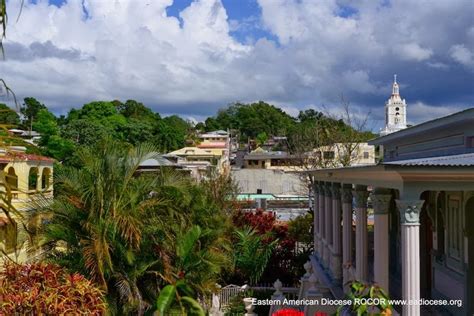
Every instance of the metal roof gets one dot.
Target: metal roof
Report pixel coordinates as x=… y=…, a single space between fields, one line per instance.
x=462 y=160
x=439 y=123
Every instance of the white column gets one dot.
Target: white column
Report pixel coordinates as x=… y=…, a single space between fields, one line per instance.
x=322 y=235
x=381 y=202
x=362 y=267
x=336 y=269
x=346 y=198
x=316 y=219
x=328 y=224
x=410 y=233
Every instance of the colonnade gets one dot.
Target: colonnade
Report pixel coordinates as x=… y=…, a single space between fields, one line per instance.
x=333 y=241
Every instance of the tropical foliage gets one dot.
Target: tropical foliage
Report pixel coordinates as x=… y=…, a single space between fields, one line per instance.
x=252 y=254
x=134 y=235
x=365 y=292
x=46 y=289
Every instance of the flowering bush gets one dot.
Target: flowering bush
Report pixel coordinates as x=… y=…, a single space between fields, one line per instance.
x=259 y=220
x=288 y=312
x=46 y=289
x=294 y=312
x=285 y=261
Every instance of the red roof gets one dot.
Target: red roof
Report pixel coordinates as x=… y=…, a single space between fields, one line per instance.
x=18 y=156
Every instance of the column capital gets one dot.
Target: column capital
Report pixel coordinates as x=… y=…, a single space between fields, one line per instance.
x=336 y=191
x=381 y=203
x=315 y=187
x=328 y=189
x=409 y=211
x=361 y=194
x=321 y=189
x=346 y=193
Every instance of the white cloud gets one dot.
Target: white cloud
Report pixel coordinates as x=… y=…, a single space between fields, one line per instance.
x=413 y=51
x=131 y=49
x=419 y=112
x=462 y=55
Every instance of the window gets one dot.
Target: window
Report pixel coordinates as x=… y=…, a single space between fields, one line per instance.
x=46 y=178
x=397 y=109
x=12 y=179
x=33 y=178
x=366 y=155
x=329 y=155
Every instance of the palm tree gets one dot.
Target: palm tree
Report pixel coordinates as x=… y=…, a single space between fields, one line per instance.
x=133 y=234
x=251 y=253
x=97 y=215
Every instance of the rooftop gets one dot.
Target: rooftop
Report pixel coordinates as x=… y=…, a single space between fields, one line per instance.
x=462 y=160
x=442 y=122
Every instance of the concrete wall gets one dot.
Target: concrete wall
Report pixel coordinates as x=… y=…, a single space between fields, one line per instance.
x=269 y=181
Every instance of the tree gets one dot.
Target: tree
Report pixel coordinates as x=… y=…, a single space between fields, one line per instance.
x=30 y=110
x=211 y=124
x=59 y=148
x=134 y=235
x=85 y=132
x=262 y=138
x=8 y=116
x=251 y=254
x=136 y=110
x=46 y=124
x=253 y=119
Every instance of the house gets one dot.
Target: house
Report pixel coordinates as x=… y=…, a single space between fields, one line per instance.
x=200 y=161
x=340 y=154
x=422 y=198
x=277 y=160
x=31 y=137
x=30 y=179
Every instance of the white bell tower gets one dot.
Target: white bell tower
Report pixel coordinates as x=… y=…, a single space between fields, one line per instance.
x=395 y=111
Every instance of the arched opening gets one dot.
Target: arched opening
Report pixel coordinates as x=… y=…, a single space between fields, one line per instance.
x=12 y=179
x=33 y=178
x=469 y=213
x=46 y=178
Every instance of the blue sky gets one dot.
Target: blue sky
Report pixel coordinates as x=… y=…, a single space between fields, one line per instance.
x=194 y=57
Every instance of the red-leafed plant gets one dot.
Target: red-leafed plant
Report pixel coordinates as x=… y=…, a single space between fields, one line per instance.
x=259 y=220
x=288 y=312
x=47 y=289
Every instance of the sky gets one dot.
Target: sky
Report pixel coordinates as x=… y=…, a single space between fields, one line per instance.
x=192 y=57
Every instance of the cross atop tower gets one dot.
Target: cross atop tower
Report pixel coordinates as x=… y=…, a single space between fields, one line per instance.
x=395 y=88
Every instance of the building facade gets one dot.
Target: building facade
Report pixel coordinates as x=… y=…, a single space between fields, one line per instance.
x=422 y=200
x=29 y=178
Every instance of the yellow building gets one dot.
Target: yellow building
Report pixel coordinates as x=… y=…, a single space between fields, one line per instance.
x=199 y=161
x=29 y=179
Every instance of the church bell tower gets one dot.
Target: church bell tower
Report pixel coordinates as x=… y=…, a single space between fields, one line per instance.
x=395 y=111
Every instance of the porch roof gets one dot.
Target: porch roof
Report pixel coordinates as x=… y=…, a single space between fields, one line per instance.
x=400 y=175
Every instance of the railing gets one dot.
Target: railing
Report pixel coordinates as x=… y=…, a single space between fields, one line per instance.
x=227 y=293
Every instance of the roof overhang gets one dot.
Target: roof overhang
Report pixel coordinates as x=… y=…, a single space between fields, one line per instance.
x=398 y=177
